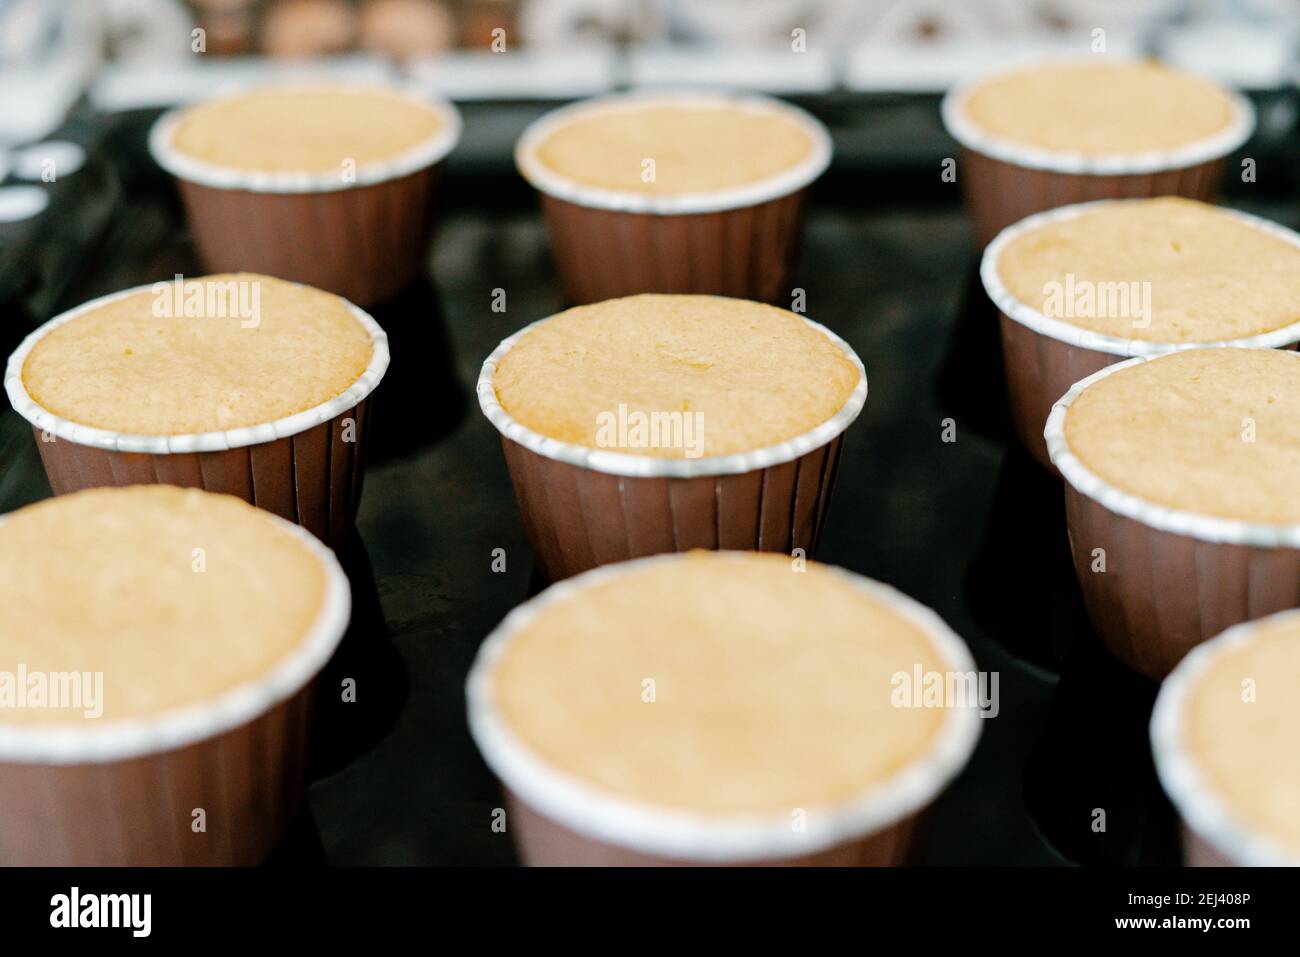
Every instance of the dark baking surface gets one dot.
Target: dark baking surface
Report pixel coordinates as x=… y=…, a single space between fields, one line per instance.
x=968 y=527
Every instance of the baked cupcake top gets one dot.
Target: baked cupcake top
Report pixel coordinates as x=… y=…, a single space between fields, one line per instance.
x=173 y=595
x=202 y=355
x=674 y=145
x=1160 y=270
x=674 y=376
x=310 y=128
x=1242 y=729
x=1098 y=109
x=1209 y=431
x=719 y=682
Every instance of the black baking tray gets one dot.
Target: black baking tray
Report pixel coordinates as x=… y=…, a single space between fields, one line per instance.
x=972 y=528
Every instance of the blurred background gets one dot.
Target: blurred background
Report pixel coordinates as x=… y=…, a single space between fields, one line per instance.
x=973 y=528
x=871 y=69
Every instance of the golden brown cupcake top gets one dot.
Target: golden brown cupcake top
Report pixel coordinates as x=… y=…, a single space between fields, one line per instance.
x=1100 y=108
x=173 y=596
x=317 y=128
x=1160 y=270
x=202 y=355
x=666 y=147
x=1209 y=431
x=674 y=376
x=1242 y=719
x=720 y=682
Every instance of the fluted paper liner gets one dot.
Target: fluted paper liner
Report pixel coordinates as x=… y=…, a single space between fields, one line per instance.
x=307 y=468
x=584 y=507
x=741 y=242
x=1004 y=181
x=1173 y=579
x=364 y=240
x=1045 y=356
x=1213 y=835
x=108 y=793
x=557 y=819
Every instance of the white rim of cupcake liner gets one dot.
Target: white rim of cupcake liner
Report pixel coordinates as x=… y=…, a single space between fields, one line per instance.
x=1209 y=528
x=106 y=740
x=784 y=183
x=967 y=133
x=650 y=466
x=1179 y=772
x=695 y=835
x=217 y=176
x=113 y=441
x=1082 y=338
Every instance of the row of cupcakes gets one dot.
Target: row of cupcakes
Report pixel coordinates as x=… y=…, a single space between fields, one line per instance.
x=688 y=191
x=766 y=485
x=261 y=389
x=670 y=192
x=1171 y=419
x=1190 y=530
x=773 y=393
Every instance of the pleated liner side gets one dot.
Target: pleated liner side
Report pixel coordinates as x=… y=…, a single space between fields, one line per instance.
x=365 y=244
x=745 y=253
x=227 y=800
x=544 y=843
x=1161 y=593
x=1000 y=193
x=313 y=479
x=577 y=518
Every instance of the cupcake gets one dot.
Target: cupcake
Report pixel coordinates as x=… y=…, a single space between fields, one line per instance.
x=719 y=708
x=1082 y=287
x=332 y=185
x=674 y=193
x=1226 y=738
x=1042 y=136
x=664 y=423
x=1181 y=474
x=158 y=648
x=240 y=384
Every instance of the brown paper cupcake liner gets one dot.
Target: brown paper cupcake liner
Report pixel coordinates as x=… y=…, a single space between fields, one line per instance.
x=542 y=842
x=1198 y=853
x=1045 y=356
x=1213 y=836
x=363 y=239
x=307 y=468
x=747 y=253
x=998 y=193
x=1004 y=181
x=741 y=242
x=558 y=820
x=576 y=518
x=1172 y=579
x=125 y=792
x=584 y=507
x=365 y=244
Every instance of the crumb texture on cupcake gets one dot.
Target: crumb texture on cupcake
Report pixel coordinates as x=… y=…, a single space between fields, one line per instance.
x=771 y=689
x=696 y=146
x=1160 y=270
x=1210 y=431
x=740 y=374
x=309 y=129
x=205 y=355
x=173 y=595
x=1099 y=108
x=1242 y=720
